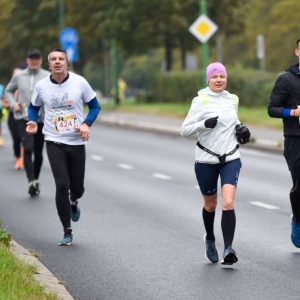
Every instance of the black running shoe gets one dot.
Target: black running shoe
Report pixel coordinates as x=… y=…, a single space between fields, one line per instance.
x=37 y=187
x=229 y=256
x=32 y=189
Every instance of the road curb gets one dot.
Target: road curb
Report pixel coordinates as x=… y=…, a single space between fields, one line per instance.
x=43 y=276
x=258 y=144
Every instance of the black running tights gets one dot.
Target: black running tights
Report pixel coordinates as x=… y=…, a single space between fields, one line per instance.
x=295 y=200
x=33 y=146
x=68 y=167
x=15 y=135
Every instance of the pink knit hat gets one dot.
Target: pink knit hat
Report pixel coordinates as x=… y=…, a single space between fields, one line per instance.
x=213 y=69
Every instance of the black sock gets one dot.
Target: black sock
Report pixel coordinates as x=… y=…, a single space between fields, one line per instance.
x=295 y=200
x=228 y=226
x=68 y=230
x=208 y=219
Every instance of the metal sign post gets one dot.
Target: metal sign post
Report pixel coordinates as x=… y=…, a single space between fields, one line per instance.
x=203 y=28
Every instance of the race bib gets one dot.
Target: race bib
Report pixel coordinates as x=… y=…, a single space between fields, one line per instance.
x=65 y=124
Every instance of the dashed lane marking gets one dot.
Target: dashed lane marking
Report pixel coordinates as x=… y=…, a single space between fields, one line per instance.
x=125 y=166
x=96 y=157
x=263 y=205
x=161 y=176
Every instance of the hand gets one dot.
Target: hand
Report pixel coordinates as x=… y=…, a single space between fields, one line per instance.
x=84 y=131
x=17 y=106
x=242 y=134
x=31 y=127
x=211 y=123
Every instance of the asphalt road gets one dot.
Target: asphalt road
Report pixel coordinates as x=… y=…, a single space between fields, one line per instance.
x=141 y=232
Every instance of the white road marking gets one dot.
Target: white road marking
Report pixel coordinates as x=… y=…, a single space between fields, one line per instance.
x=125 y=166
x=161 y=176
x=263 y=205
x=96 y=157
x=261 y=154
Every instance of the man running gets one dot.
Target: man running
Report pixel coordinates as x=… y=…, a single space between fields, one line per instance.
x=24 y=81
x=66 y=131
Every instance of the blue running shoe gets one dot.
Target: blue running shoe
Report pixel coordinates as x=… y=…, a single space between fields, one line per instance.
x=229 y=256
x=211 y=252
x=67 y=240
x=295 y=236
x=75 y=212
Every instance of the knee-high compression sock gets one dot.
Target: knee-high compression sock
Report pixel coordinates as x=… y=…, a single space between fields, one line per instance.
x=295 y=200
x=228 y=226
x=208 y=219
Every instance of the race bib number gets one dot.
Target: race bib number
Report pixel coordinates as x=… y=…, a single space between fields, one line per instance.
x=65 y=124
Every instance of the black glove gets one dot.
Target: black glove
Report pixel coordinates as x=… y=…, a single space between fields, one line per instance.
x=242 y=134
x=211 y=122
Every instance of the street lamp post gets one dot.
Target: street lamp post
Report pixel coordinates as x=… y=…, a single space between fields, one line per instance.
x=61 y=10
x=203 y=11
x=114 y=58
x=114 y=66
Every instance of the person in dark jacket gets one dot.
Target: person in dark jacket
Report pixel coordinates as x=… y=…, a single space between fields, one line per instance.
x=285 y=103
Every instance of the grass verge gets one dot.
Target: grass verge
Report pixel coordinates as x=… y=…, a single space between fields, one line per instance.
x=17 y=280
x=248 y=115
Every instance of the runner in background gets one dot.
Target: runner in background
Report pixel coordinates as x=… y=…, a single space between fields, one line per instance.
x=18 y=150
x=24 y=81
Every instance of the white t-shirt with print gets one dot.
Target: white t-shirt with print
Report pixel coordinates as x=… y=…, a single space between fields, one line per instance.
x=63 y=105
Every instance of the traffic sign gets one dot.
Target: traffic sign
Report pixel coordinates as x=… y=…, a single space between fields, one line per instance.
x=203 y=28
x=68 y=36
x=72 y=52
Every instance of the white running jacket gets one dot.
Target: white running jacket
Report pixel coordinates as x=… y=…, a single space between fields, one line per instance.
x=220 y=139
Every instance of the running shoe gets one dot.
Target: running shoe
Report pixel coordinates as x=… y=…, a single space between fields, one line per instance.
x=19 y=163
x=37 y=187
x=211 y=251
x=75 y=211
x=67 y=240
x=295 y=236
x=229 y=256
x=32 y=189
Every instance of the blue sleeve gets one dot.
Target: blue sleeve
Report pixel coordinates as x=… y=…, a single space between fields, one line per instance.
x=286 y=112
x=94 y=110
x=33 y=112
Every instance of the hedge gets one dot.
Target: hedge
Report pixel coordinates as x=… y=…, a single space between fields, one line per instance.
x=252 y=86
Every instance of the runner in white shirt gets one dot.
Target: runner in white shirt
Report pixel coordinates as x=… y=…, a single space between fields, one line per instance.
x=63 y=95
x=214 y=116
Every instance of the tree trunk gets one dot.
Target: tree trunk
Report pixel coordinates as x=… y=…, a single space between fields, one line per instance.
x=168 y=53
x=182 y=53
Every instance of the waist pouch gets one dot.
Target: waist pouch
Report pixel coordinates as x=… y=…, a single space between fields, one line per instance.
x=221 y=158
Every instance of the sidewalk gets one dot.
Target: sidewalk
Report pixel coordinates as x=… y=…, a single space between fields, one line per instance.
x=265 y=138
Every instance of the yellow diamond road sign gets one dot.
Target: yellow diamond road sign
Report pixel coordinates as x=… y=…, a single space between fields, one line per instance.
x=203 y=28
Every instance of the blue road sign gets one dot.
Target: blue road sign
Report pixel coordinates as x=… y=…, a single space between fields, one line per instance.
x=72 y=52
x=68 y=36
